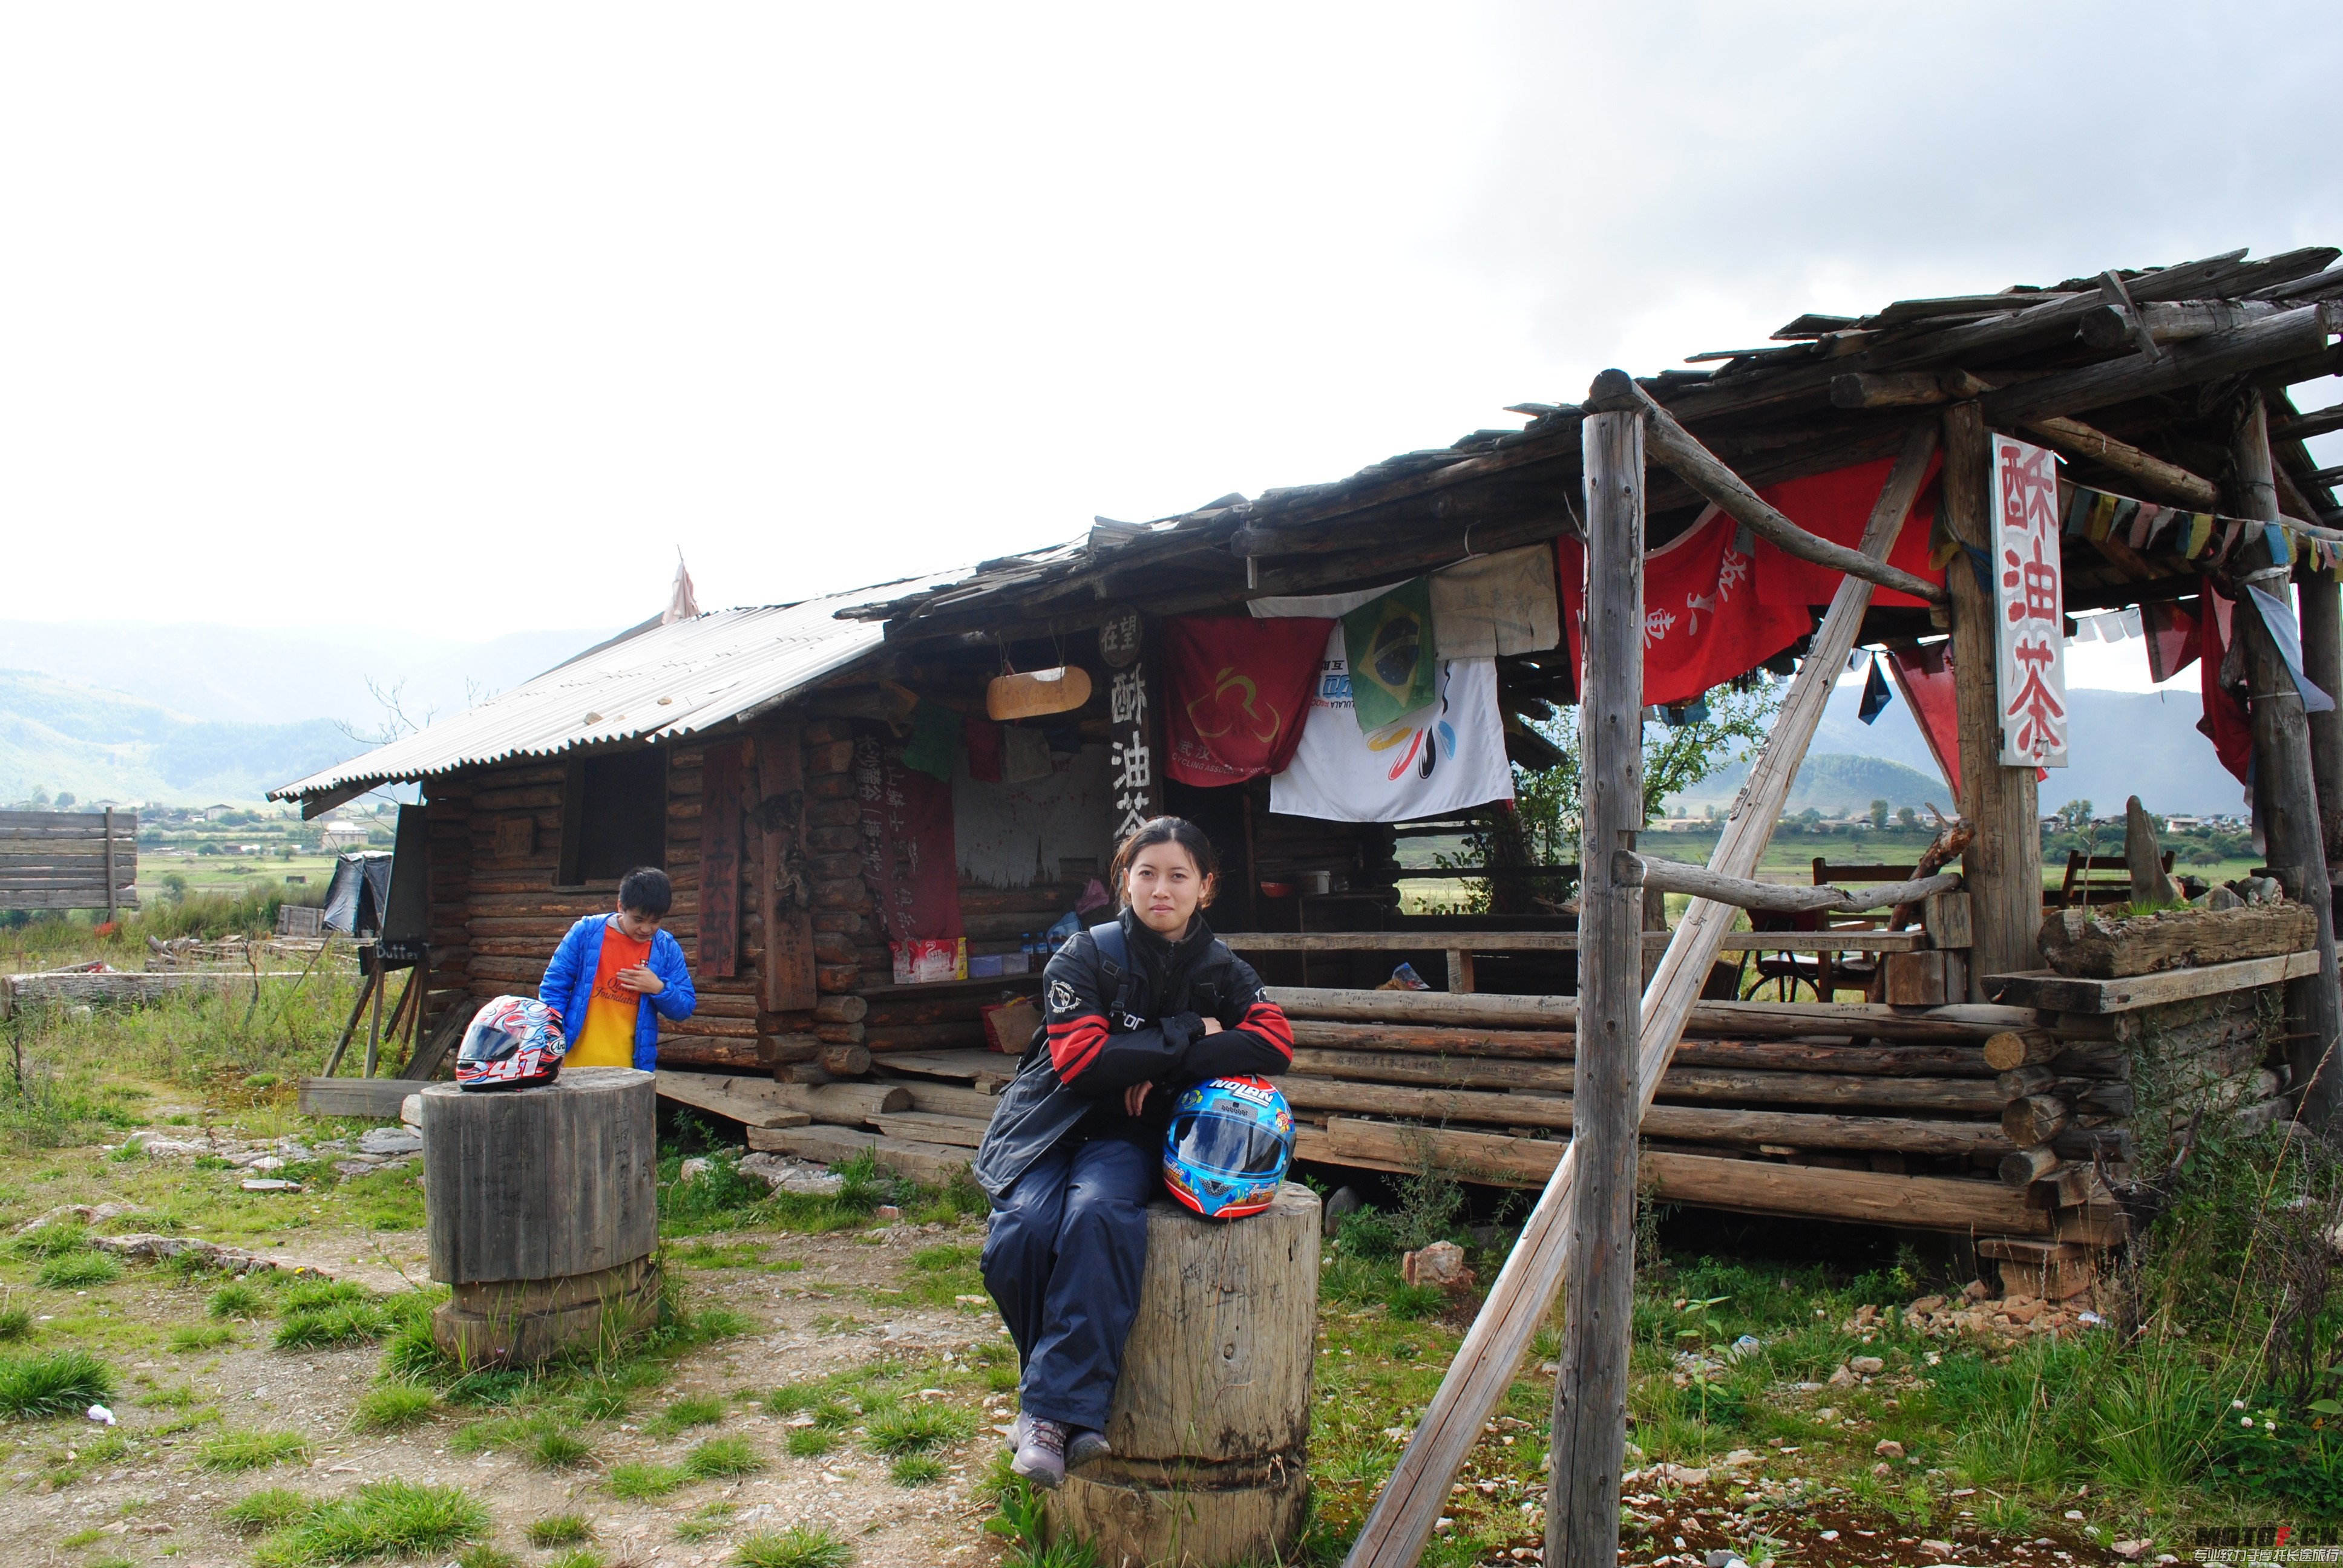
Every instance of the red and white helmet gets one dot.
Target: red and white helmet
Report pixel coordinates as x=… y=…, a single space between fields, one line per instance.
x=514 y=1041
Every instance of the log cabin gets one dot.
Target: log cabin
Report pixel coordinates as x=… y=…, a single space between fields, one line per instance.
x=846 y=788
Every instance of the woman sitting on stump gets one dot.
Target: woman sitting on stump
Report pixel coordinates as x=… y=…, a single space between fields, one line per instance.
x=1135 y=1011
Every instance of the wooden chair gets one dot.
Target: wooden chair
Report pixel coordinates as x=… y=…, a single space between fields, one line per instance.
x=1854 y=971
x=2095 y=880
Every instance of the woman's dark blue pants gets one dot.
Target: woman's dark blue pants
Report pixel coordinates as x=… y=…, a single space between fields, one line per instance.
x=1063 y=1261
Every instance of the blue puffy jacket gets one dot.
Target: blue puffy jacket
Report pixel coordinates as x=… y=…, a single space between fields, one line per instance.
x=569 y=985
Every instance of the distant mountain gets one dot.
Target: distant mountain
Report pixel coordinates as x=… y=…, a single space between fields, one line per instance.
x=283 y=675
x=2123 y=743
x=105 y=746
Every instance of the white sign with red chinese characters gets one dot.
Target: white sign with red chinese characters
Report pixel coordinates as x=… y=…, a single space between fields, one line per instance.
x=2029 y=605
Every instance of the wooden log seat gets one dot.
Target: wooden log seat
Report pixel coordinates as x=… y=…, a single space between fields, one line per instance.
x=1210 y=1422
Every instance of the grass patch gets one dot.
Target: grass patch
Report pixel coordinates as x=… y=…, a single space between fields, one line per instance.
x=237 y=1300
x=798 y=1546
x=578 y=1557
x=916 y=1470
x=722 y=1457
x=559 y=1450
x=708 y=1519
x=393 y=1407
x=560 y=1530
x=54 y=1239
x=251 y=1450
x=809 y=1442
x=381 y=1519
x=480 y=1554
x=201 y=1337
x=919 y=1429
x=79 y=1270
x=315 y=1295
x=271 y=1509
x=340 y=1323
x=15 y=1321
x=56 y=1383
x=640 y=1481
x=691 y=1409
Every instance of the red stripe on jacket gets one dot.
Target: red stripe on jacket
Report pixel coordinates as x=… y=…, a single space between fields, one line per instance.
x=1075 y=1043
x=1267 y=1020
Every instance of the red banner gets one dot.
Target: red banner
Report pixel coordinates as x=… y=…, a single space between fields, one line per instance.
x=908 y=857
x=2226 y=723
x=1716 y=607
x=1239 y=692
x=1924 y=676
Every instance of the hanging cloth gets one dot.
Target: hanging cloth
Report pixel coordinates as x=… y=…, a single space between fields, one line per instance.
x=1448 y=756
x=1874 y=694
x=1392 y=655
x=1240 y=692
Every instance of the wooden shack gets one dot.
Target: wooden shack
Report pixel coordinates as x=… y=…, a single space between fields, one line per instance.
x=770 y=758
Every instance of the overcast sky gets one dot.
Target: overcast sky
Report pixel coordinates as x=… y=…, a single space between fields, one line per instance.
x=487 y=310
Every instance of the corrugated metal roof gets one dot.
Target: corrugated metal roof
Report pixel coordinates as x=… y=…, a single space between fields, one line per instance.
x=666 y=682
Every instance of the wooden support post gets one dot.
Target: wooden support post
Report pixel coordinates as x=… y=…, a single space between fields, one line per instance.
x=374 y=1032
x=1406 y=1510
x=783 y=895
x=1590 y=1395
x=110 y=894
x=2003 y=863
x=2321 y=599
x=2283 y=764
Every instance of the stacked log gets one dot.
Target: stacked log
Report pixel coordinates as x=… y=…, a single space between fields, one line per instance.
x=850 y=939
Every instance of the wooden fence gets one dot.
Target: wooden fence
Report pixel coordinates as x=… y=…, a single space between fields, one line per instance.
x=69 y=861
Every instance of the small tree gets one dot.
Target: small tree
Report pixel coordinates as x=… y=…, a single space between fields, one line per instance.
x=1907 y=817
x=1879 y=814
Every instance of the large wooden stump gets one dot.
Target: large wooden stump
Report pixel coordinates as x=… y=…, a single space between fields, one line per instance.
x=1210 y=1424
x=543 y=1210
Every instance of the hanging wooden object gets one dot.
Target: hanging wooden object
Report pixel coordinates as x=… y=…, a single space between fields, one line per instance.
x=1037 y=692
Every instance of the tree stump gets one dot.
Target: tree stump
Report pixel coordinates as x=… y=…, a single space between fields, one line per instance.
x=1211 y=1422
x=543 y=1210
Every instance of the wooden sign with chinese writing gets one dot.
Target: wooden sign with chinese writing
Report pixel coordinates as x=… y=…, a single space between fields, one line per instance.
x=2029 y=605
x=1137 y=796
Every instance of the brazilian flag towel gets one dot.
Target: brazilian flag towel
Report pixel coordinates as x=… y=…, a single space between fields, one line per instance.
x=1395 y=664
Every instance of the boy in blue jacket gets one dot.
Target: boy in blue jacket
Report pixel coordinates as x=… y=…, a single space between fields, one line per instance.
x=615 y=976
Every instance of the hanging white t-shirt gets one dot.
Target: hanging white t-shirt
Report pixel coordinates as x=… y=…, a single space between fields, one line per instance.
x=1448 y=756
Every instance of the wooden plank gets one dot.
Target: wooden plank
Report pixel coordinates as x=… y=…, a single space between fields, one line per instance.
x=2287 y=335
x=1974 y=1096
x=783 y=896
x=2043 y=989
x=1965 y=1023
x=720 y=862
x=1401 y=1522
x=1744 y=892
x=979 y=1066
x=1469 y=1048
x=375 y=1097
x=927 y=1163
x=1744 y=1186
x=1560 y=941
x=845 y=1104
x=926 y=1127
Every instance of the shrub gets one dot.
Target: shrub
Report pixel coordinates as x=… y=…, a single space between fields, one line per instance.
x=77 y=1271
x=251 y=1450
x=798 y=1546
x=58 y=1382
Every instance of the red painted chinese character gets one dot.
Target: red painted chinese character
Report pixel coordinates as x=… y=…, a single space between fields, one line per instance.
x=2041 y=718
x=2032 y=585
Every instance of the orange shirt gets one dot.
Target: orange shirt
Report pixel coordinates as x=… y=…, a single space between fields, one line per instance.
x=608 y=1038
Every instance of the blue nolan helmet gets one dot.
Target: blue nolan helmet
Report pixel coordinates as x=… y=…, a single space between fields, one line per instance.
x=1230 y=1143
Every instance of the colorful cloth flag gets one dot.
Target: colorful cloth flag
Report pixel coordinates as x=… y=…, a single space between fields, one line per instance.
x=2172 y=640
x=2278 y=616
x=1392 y=653
x=1239 y=691
x=1447 y=756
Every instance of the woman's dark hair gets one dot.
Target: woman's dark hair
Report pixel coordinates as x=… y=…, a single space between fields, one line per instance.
x=646 y=891
x=1165 y=830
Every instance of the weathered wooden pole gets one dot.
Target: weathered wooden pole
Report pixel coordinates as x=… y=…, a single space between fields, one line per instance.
x=2003 y=863
x=1590 y=1395
x=2321 y=599
x=2282 y=765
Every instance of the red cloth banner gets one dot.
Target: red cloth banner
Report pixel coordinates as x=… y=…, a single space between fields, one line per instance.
x=2226 y=722
x=1924 y=676
x=1239 y=692
x=908 y=857
x=1716 y=606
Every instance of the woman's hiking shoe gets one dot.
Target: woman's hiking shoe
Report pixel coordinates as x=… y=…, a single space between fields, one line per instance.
x=1040 y=1451
x=1084 y=1446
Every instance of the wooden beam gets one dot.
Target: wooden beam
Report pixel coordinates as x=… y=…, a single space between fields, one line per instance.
x=1742 y=893
x=1405 y=1513
x=2282 y=768
x=1587 y=1455
x=2303 y=427
x=2288 y=334
x=1675 y=446
x=1887 y=389
x=2172 y=321
x=2003 y=861
x=1967 y=1023
x=2047 y=991
x=2161 y=480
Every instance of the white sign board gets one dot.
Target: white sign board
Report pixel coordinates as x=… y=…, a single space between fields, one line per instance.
x=2029 y=607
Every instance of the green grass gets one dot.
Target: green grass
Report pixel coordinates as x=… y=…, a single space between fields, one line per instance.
x=53 y=1382
x=79 y=1270
x=315 y=1295
x=919 y=1429
x=480 y=1554
x=638 y=1480
x=708 y=1519
x=578 y=1557
x=916 y=1470
x=268 y=1510
x=15 y=1321
x=691 y=1409
x=393 y=1407
x=251 y=1450
x=237 y=1300
x=340 y=1323
x=809 y=1442
x=723 y=1457
x=560 y=1530
x=201 y=1337
x=54 y=1239
x=559 y=1450
x=381 y=1519
x=798 y=1546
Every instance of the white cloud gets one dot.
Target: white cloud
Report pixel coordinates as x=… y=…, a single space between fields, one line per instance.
x=491 y=308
